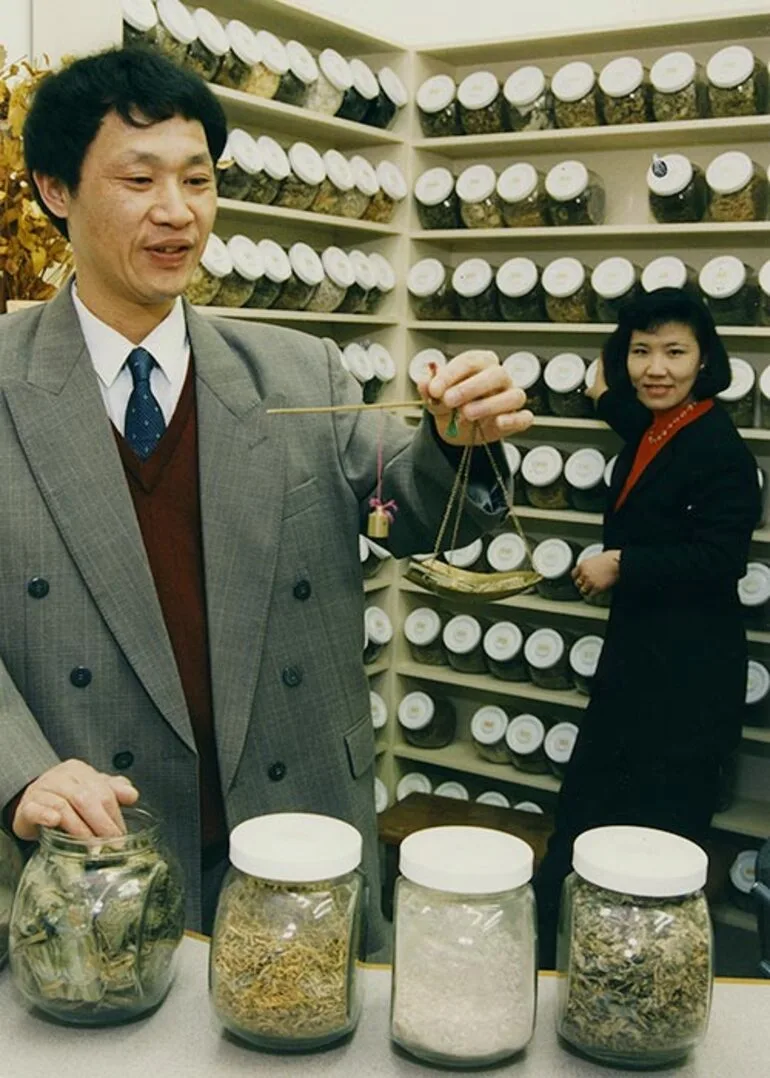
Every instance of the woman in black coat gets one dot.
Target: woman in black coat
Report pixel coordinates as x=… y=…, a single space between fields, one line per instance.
x=665 y=711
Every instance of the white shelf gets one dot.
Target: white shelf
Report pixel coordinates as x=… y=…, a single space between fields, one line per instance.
x=745 y=817
x=642 y=233
x=231 y=209
x=378 y=583
x=308 y=317
x=724 y=913
x=484 y=683
x=759 y=734
x=461 y=756
x=572 y=329
x=373 y=669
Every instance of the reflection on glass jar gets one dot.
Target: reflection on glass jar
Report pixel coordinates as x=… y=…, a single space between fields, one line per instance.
x=546 y=655
x=565 y=381
x=526 y=372
x=480 y=205
x=576 y=196
x=423 y=629
x=462 y=638
x=729 y=290
x=528 y=100
x=488 y=727
x=576 y=96
x=334 y=80
x=584 y=659
x=504 y=651
x=625 y=92
x=426 y=722
x=473 y=283
x=678 y=89
x=523 y=197
x=677 y=190
x=302 y=73
x=389 y=102
x=554 y=560
x=614 y=282
x=437 y=203
x=559 y=746
x=737 y=188
x=737 y=83
x=525 y=744
x=568 y=294
x=584 y=472
x=482 y=109
x=431 y=291
x=739 y=399
x=437 y=107
x=543 y=474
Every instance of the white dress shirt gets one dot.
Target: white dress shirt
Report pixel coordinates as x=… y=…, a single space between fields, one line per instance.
x=168 y=344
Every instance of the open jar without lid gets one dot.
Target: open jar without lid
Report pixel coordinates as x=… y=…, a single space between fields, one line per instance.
x=568 y=294
x=584 y=472
x=754 y=590
x=265 y=78
x=565 y=376
x=614 y=281
x=307 y=272
x=422 y=629
x=273 y=173
x=437 y=203
x=559 y=746
x=437 y=107
x=335 y=193
x=425 y=722
x=176 y=30
x=739 y=398
x=575 y=195
x=334 y=287
x=488 y=728
x=248 y=268
x=625 y=92
x=205 y=54
x=757 y=693
x=729 y=289
x=737 y=188
x=677 y=190
x=523 y=197
x=389 y=102
x=302 y=73
x=583 y=659
x=431 y=291
x=378 y=630
x=473 y=283
x=364 y=281
x=462 y=638
x=504 y=652
x=365 y=187
x=268 y=288
x=543 y=474
x=525 y=744
x=391 y=192
x=668 y=271
x=482 y=108
x=334 y=80
x=300 y=188
x=576 y=99
x=526 y=371
x=140 y=22
x=362 y=93
x=420 y=364
x=554 y=560
x=678 y=89
x=546 y=655
x=214 y=267
x=480 y=205
x=240 y=162
x=635 y=942
x=384 y=372
x=528 y=101
x=414 y=782
x=764 y=294
x=737 y=83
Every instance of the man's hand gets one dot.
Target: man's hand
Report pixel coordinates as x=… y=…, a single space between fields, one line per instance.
x=475 y=386
x=76 y=798
x=598 y=574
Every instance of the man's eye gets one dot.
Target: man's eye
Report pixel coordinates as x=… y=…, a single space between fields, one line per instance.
x=143 y=180
x=199 y=181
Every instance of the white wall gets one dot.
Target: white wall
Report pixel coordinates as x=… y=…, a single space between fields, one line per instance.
x=15 y=27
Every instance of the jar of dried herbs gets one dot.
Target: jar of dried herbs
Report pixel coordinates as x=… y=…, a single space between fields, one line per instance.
x=273 y=173
x=240 y=162
x=614 y=281
x=140 y=22
x=625 y=92
x=504 y=652
x=737 y=188
x=11 y=864
x=565 y=376
x=473 y=283
x=244 y=55
x=336 y=191
x=635 y=947
x=378 y=630
x=462 y=638
x=175 y=31
x=543 y=475
x=568 y=293
x=528 y=100
x=273 y=66
x=307 y=272
x=482 y=106
x=506 y=552
x=414 y=782
x=269 y=286
x=96 y=923
x=523 y=197
x=384 y=372
x=300 y=188
x=583 y=659
x=248 y=267
x=437 y=203
x=554 y=560
x=729 y=289
x=206 y=53
x=364 y=281
x=559 y=746
x=302 y=73
x=362 y=93
x=391 y=192
x=677 y=190
x=365 y=187
x=526 y=370
x=764 y=294
x=334 y=80
x=488 y=727
x=546 y=655
x=464 y=968
x=678 y=88
x=292 y=901
x=389 y=102
x=603 y=598
x=215 y=265
x=739 y=399
x=525 y=744
x=576 y=196
x=584 y=472
x=576 y=98
x=423 y=363
x=425 y=722
x=431 y=291
x=757 y=693
x=754 y=591
x=437 y=107
x=737 y=83
x=384 y=283
x=356 y=361
x=423 y=629
x=668 y=271
x=338 y=278
x=480 y=205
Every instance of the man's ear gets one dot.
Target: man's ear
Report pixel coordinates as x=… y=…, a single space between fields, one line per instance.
x=54 y=193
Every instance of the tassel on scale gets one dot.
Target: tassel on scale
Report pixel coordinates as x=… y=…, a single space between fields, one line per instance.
x=382 y=513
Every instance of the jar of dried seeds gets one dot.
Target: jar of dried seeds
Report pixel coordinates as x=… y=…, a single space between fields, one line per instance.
x=678 y=89
x=737 y=82
x=565 y=376
x=474 y=285
x=425 y=722
x=334 y=80
x=625 y=92
x=729 y=289
x=215 y=265
x=274 y=172
x=482 y=107
x=543 y=473
x=576 y=196
x=269 y=286
x=300 y=188
x=678 y=196
x=248 y=267
x=206 y=53
x=526 y=370
x=504 y=653
x=338 y=278
x=384 y=283
x=175 y=31
x=462 y=638
x=437 y=107
x=431 y=291
x=362 y=93
x=576 y=96
x=737 y=188
x=739 y=399
x=437 y=203
x=614 y=281
x=390 y=101
x=480 y=205
x=506 y=552
x=266 y=76
x=140 y=22
x=568 y=294
x=365 y=187
x=423 y=629
x=488 y=728
x=355 y=359
x=302 y=73
x=525 y=744
x=237 y=65
x=384 y=372
x=240 y=163
x=546 y=655
x=584 y=472
x=390 y=193
x=555 y=559
x=364 y=281
x=307 y=272
x=528 y=100
x=335 y=195
x=520 y=294
x=522 y=194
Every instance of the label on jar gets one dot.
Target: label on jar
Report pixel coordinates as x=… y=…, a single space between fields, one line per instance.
x=216 y=258
x=506 y=552
x=621 y=77
x=462 y=634
x=516 y=278
x=393 y=87
x=672 y=72
x=211 y=31
x=416 y=711
x=414 y=782
x=383 y=363
x=764 y=383
x=139 y=14
x=668 y=271
x=378 y=625
x=465 y=556
x=436 y=94
x=528 y=806
x=356 y=360
x=419 y=367
x=422 y=627
x=479 y=90
x=364 y=80
x=591 y=372
x=563 y=277
x=336 y=70
x=730 y=67
x=338 y=170
x=613 y=277
x=609 y=470
x=544 y=648
x=364 y=176
x=177 y=20
x=276 y=160
x=567 y=180
x=524 y=368
x=573 y=81
x=757 y=682
x=678 y=174
x=392 y=180
x=488 y=725
x=512 y=457
x=492 y=797
x=517 y=183
x=565 y=373
x=244 y=151
x=274 y=55
x=248 y=260
x=542 y=466
x=742 y=380
x=337 y=267
x=584 y=655
x=525 y=86
x=307 y=164
x=381 y=796
x=277 y=265
x=525 y=735
x=362 y=268
x=503 y=641
x=730 y=172
x=754 y=587
x=379 y=710
x=384 y=274
x=560 y=741
x=553 y=558
x=584 y=469
x=426 y=278
x=472 y=277
x=434 y=186
x=455 y=790
x=743 y=871
x=476 y=183
x=242 y=41
x=306 y=264
x=590 y=551
x=301 y=62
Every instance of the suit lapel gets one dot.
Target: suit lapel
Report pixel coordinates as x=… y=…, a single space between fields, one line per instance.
x=658 y=463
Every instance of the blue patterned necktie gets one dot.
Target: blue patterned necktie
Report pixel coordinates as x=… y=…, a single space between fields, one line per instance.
x=144 y=419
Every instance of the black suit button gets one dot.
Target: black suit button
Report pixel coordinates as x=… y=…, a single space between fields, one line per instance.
x=121 y=761
x=291 y=677
x=80 y=677
x=302 y=590
x=276 y=771
x=38 y=588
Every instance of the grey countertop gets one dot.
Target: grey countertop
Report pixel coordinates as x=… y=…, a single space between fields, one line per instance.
x=183 y=1040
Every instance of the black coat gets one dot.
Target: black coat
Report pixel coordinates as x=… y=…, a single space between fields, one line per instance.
x=672 y=675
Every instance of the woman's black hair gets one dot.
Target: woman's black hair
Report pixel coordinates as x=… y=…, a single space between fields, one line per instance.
x=649 y=312
x=141 y=86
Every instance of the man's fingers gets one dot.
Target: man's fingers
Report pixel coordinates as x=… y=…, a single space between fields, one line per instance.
x=459 y=369
x=507 y=402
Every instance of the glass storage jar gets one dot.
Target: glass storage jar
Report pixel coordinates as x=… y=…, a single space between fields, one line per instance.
x=523 y=198
x=493 y=797
x=336 y=195
x=543 y=475
x=625 y=92
x=737 y=83
x=239 y=164
x=754 y=592
x=268 y=288
x=488 y=727
x=292 y=900
x=140 y=22
x=466 y=557
x=389 y=102
x=504 y=652
x=568 y=294
x=378 y=708
x=737 y=188
x=473 y=283
x=584 y=472
x=425 y=722
x=559 y=746
x=482 y=106
x=384 y=283
x=554 y=560
x=365 y=187
x=273 y=173
x=668 y=271
x=381 y=796
x=175 y=31
x=437 y=203
x=576 y=96
x=480 y=205
x=362 y=93
x=635 y=947
x=248 y=267
x=414 y=782
x=215 y=265
x=334 y=80
x=583 y=660
x=529 y=806
x=307 y=272
x=614 y=282
x=300 y=188
x=565 y=376
x=546 y=655
x=237 y=64
x=338 y=278
x=603 y=598
x=525 y=744
x=764 y=399
x=454 y=790
x=96 y=923
x=302 y=73
x=527 y=373
x=576 y=196
x=506 y=552
x=437 y=107
x=757 y=694
x=462 y=638
x=206 y=53
x=742 y=877
x=739 y=399
x=464 y=970
x=378 y=632
x=677 y=190
x=11 y=864
x=384 y=372
x=372 y=556
x=265 y=77
x=422 y=629
x=528 y=100
x=391 y=192
x=425 y=363
x=678 y=89
x=355 y=359
x=764 y=294
x=431 y=292
x=729 y=290
x=514 y=457
x=364 y=281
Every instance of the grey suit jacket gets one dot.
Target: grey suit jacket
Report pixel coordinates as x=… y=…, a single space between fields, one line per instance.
x=282 y=501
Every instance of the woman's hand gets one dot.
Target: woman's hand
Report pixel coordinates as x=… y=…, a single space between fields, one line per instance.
x=598 y=574
x=600 y=387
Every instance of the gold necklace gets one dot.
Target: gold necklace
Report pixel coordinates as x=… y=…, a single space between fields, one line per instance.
x=653 y=439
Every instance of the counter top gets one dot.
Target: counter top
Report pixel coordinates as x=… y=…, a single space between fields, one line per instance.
x=183 y=1040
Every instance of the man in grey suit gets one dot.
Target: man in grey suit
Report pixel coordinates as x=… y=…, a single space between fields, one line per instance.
x=180 y=588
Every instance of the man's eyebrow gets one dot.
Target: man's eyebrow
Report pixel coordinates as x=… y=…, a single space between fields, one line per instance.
x=145 y=157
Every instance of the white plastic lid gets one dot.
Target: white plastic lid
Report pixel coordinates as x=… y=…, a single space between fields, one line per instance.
x=524 y=86
x=275 y=158
x=381 y=796
x=730 y=172
x=364 y=80
x=757 y=682
x=419 y=366
x=523 y=367
x=426 y=278
x=640 y=861
x=754 y=587
x=472 y=277
x=423 y=626
x=455 y=790
x=274 y=55
x=177 y=20
x=392 y=180
x=503 y=641
x=306 y=264
x=338 y=170
x=489 y=724
x=393 y=86
x=355 y=360
x=379 y=710
x=436 y=94
x=563 y=277
x=668 y=271
x=552 y=558
x=216 y=258
x=517 y=182
x=384 y=274
x=277 y=265
x=591 y=372
x=742 y=380
x=622 y=76
x=492 y=797
x=525 y=734
x=380 y=552
x=565 y=372
x=678 y=173
x=211 y=31
x=506 y=552
x=542 y=465
x=414 y=782
x=517 y=277
x=466 y=860
x=364 y=176
x=528 y=806
x=584 y=655
x=590 y=551
x=363 y=270
x=434 y=186
x=337 y=267
x=307 y=164
x=573 y=81
x=513 y=457
x=560 y=741
x=764 y=278
x=465 y=556
x=462 y=634
x=248 y=260
x=244 y=151
x=378 y=625
x=764 y=383
x=336 y=70
x=476 y=183
x=296 y=847
x=567 y=180
x=416 y=711
x=730 y=67
x=383 y=363
x=544 y=648
x=478 y=90
x=743 y=871
x=613 y=277
x=364 y=549
x=302 y=62
x=140 y=14
x=584 y=469
x=672 y=72
x=243 y=42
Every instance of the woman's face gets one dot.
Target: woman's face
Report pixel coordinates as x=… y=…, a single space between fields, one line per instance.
x=663 y=365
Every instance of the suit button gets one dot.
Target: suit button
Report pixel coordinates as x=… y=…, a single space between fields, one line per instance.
x=276 y=771
x=80 y=677
x=38 y=588
x=291 y=677
x=302 y=590
x=121 y=761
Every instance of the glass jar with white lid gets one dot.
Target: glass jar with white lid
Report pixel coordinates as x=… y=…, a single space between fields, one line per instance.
x=635 y=942
x=602 y=598
x=334 y=80
x=381 y=796
x=522 y=196
x=525 y=744
x=669 y=271
x=473 y=283
x=739 y=399
x=677 y=190
x=737 y=188
x=452 y=789
x=244 y=55
x=336 y=195
x=526 y=371
x=568 y=293
x=529 y=806
x=365 y=186
x=488 y=728
x=372 y=556
x=430 y=289
x=559 y=746
x=413 y=782
x=389 y=103
x=338 y=278
x=269 y=286
x=378 y=632
x=493 y=797
x=519 y=291
x=504 y=651
x=737 y=83
x=214 y=266
x=384 y=372
x=482 y=106
x=248 y=267
x=625 y=92
x=528 y=100
x=300 y=188
x=384 y=283
x=364 y=281
x=437 y=107
x=576 y=96
x=462 y=638
x=678 y=88
x=615 y=281
x=575 y=195
x=480 y=205
x=425 y=363
x=175 y=31
x=757 y=694
x=359 y=97
x=565 y=376
x=205 y=54
x=273 y=65
x=435 y=196
x=301 y=74
x=391 y=192
x=543 y=475
x=140 y=22
x=584 y=472
x=426 y=721
x=729 y=289
x=513 y=458
x=464 y=970
x=754 y=592
x=356 y=361
x=273 y=172
x=506 y=552
x=423 y=629
x=554 y=560
x=546 y=655
x=584 y=659
x=292 y=898
x=239 y=164
x=764 y=294
x=742 y=877
x=307 y=272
